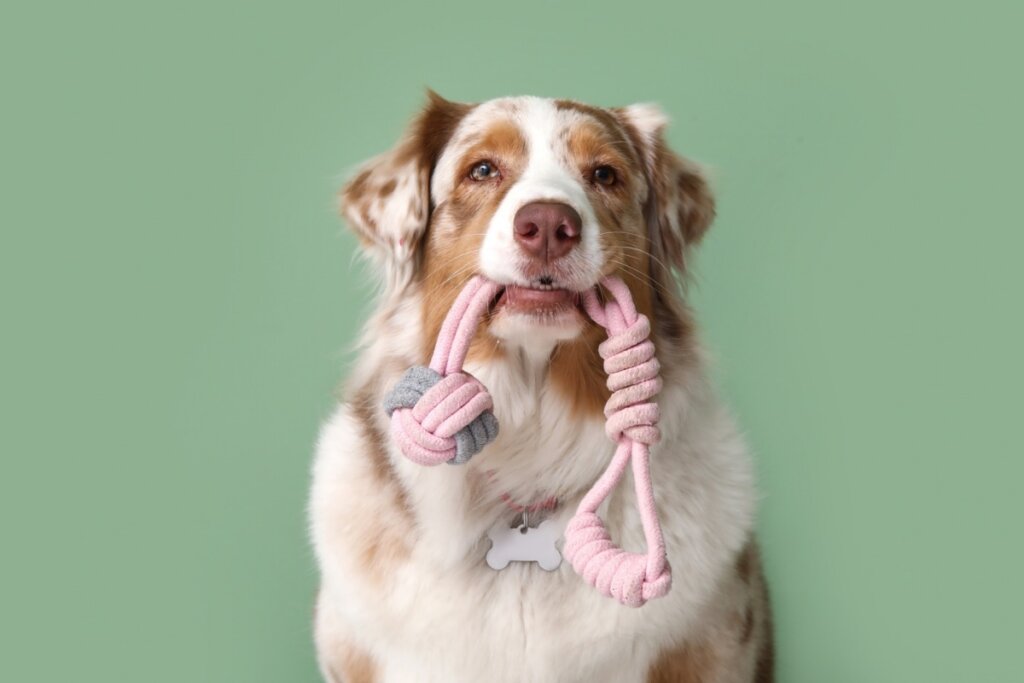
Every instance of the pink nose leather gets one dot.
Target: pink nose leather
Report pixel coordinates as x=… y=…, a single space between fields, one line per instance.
x=547 y=230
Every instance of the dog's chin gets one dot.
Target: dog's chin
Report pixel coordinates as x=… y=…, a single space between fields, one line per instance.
x=536 y=317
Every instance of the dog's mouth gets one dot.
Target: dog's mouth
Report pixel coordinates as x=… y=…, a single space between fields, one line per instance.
x=536 y=300
x=541 y=303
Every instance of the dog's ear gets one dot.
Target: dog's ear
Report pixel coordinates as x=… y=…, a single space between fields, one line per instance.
x=680 y=205
x=387 y=199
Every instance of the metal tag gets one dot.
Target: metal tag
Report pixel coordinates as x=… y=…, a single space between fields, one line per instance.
x=524 y=543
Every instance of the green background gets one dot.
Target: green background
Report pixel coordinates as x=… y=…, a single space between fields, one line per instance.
x=177 y=297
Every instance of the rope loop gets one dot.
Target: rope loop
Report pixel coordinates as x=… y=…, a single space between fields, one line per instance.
x=632 y=422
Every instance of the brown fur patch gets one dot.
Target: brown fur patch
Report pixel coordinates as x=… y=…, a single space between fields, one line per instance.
x=341 y=661
x=356 y=666
x=457 y=229
x=577 y=370
x=413 y=157
x=697 y=207
x=434 y=127
x=746 y=562
x=606 y=117
x=760 y=605
x=735 y=641
x=502 y=143
x=382 y=545
x=748 y=623
x=681 y=205
x=577 y=373
x=683 y=664
x=765 y=671
x=357 y=185
x=592 y=145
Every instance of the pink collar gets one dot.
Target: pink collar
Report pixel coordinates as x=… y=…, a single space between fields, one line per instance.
x=545 y=505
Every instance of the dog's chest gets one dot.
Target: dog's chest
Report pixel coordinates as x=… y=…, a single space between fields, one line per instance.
x=545 y=443
x=525 y=622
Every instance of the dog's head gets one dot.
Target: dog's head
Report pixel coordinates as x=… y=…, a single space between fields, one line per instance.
x=542 y=196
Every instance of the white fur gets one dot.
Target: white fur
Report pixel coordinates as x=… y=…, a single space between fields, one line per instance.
x=445 y=616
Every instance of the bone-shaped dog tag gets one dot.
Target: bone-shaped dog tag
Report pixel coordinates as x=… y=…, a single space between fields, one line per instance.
x=524 y=544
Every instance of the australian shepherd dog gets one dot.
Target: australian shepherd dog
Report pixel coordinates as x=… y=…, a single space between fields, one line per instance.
x=543 y=197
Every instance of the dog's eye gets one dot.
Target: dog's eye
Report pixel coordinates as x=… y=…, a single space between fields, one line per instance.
x=484 y=170
x=605 y=175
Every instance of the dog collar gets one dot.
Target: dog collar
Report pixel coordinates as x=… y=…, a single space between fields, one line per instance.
x=545 y=505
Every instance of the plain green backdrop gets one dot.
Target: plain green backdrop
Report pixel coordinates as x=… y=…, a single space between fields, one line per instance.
x=178 y=296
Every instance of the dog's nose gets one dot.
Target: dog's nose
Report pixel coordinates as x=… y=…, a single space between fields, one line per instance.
x=547 y=230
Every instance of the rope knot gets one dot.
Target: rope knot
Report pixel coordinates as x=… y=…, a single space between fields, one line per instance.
x=437 y=418
x=634 y=379
x=613 y=571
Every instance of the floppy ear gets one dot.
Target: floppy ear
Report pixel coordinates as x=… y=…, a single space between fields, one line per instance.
x=680 y=206
x=387 y=199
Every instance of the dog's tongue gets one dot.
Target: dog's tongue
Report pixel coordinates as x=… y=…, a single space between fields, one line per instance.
x=524 y=297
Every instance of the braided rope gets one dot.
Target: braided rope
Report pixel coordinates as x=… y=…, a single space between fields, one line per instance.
x=632 y=418
x=443 y=414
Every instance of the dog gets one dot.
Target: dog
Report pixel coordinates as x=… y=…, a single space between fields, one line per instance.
x=543 y=197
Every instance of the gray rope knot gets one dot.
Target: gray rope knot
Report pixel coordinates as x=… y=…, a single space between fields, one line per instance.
x=441 y=415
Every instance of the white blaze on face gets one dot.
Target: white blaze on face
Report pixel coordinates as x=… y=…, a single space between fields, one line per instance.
x=549 y=175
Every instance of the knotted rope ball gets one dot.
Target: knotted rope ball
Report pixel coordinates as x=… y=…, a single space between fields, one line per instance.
x=442 y=414
x=443 y=419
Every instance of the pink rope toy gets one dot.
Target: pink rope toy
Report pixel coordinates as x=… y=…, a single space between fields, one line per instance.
x=442 y=414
